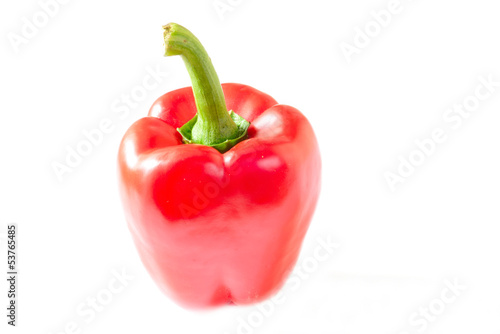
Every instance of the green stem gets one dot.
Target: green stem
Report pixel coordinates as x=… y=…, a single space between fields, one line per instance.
x=213 y=124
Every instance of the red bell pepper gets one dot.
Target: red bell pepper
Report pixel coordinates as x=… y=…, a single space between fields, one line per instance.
x=217 y=202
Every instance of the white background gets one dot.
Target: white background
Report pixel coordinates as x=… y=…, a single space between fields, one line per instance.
x=397 y=248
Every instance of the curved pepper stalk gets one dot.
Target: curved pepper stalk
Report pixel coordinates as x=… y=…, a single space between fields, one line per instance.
x=213 y=125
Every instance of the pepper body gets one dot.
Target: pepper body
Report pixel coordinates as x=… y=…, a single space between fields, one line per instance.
x=219 y=228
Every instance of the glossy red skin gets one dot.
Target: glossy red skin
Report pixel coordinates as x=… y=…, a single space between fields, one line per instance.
x=214 y=228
